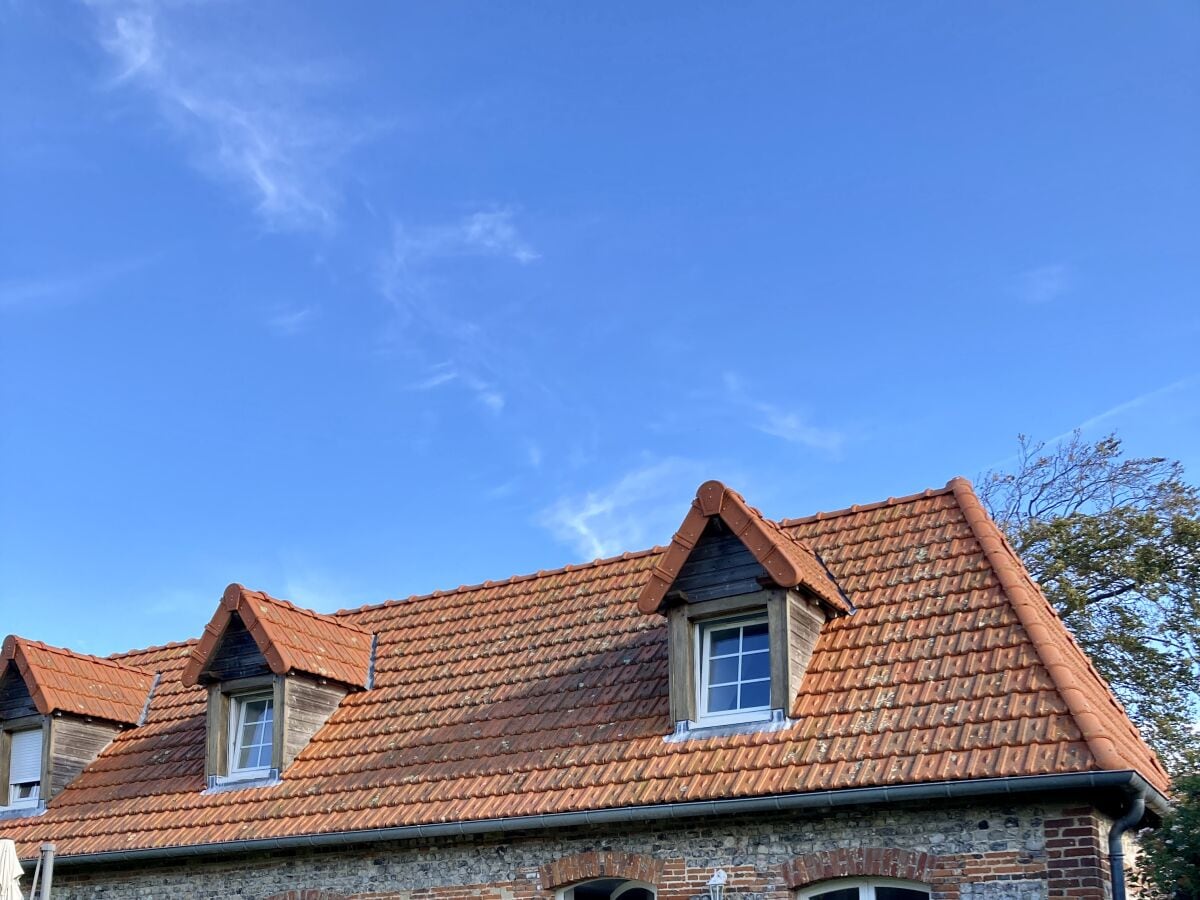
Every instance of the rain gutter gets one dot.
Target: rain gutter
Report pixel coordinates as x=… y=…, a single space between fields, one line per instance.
x=1127 y=780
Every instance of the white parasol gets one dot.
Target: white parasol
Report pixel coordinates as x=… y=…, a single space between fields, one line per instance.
x=10 y=872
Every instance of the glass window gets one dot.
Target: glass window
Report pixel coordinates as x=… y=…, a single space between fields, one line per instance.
x=608 y=889
x=867 y=889
x=735 y=671
x=25 y=767
x=252 y=733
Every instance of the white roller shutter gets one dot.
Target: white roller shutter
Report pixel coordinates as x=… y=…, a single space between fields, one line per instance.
x=25 y=760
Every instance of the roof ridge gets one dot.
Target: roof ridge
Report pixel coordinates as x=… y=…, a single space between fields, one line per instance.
x=650 y=551
x=1026 y=599
x=512 y=579
x=75 y=654
x=154 y=648
x=866 y=507
x=331 y=618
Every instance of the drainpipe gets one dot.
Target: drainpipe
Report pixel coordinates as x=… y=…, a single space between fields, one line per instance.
x=1116 y=853
x=47 y=857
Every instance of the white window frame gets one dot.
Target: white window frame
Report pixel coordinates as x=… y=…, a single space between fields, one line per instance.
x=237 y=716
x=568 y=892
x=866 y=887
x=704 y=630
x=31 y=801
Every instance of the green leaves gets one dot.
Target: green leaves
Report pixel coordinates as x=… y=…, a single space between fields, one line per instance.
x=1115 y=545
x=1169 y=866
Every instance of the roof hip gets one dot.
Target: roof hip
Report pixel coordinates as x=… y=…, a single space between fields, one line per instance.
x=1029 y=604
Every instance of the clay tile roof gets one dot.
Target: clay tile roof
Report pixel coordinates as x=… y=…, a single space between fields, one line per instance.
x=788 y=560
x=61 y=680
x=548 y=693
x=291 y=639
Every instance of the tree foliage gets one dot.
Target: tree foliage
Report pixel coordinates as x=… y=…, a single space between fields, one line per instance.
x=1115 y=544
x=1169 y=863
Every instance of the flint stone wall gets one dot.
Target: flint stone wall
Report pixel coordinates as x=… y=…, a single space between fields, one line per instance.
x=1025 y=852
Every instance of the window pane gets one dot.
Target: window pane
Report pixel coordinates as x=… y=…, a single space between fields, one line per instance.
x=756 y=693
x=722 y=699
x=754 y=637
x=842 y=894
x=899 y=893
x=723 y=670
x=725 y=641
x=255 y=737
x=756 y=665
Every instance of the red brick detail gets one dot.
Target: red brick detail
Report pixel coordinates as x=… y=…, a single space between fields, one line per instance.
x=311 y=894
x=600 y=864
x=883 y=862
x=1076 y=861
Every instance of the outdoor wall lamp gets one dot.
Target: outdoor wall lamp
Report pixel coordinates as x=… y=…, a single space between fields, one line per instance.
x=716 y=885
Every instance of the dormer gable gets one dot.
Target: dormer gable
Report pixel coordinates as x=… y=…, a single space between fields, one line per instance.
x=745 y=604
x=58 y=711
x=287 y=638
x=274 y=673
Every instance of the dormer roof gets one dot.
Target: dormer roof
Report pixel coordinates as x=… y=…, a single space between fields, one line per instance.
x=61 y=680
x=789 y=561
x=291 y=639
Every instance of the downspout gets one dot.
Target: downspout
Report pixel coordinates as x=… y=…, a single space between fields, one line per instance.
x=1116 y=852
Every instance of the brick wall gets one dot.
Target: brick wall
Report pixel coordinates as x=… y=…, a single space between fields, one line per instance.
x=965 y=853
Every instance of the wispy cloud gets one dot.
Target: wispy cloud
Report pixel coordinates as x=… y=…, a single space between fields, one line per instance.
x=641 y=508
x=446 y=374
x=1045 y=283
x=484 y=233
x=1129 y=405
x=790 y=425
x=248 y=123
x=51 y=290
x=421 y=295
x=290 y=321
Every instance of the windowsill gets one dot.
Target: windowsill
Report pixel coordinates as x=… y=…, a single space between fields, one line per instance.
x=22 y=812
x=219 y=784
x=695 y=731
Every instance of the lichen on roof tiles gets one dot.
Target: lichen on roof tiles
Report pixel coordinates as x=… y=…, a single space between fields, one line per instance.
x=548 y=693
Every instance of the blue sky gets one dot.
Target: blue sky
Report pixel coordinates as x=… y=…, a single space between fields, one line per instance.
x=353 y=302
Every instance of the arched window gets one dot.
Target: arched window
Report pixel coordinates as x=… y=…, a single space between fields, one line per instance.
x=865 y=889
x=608 y=889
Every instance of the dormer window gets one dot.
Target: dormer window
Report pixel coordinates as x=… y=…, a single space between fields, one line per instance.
x=24 y=768
x=745 y=604
x=252 y=730
x=274 y=674
x=735 y=671
x=58 y=711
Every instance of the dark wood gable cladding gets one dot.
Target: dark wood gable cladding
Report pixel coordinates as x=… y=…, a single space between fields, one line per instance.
x=719 y=566
x=237 y=655
x=15 y=699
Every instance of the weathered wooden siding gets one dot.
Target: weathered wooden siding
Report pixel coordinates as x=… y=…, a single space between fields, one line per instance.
x=236 y=656
x=308 y=704
x=74 y=743
x=804 y=622
x=719 y=566
x=15 y=701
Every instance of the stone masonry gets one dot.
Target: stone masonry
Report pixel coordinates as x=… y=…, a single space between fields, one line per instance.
x=987 y=852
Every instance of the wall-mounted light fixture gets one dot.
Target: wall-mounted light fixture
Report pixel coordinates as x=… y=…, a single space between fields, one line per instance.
x=716 y=885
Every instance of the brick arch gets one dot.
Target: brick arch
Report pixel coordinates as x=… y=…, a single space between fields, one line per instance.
x=600 y=864
x=310 y=894
x=882 y=862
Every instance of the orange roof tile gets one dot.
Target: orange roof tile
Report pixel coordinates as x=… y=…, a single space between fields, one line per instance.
x=291 y=639
x=61 y=680
x=788 y=560
x=548 y=693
